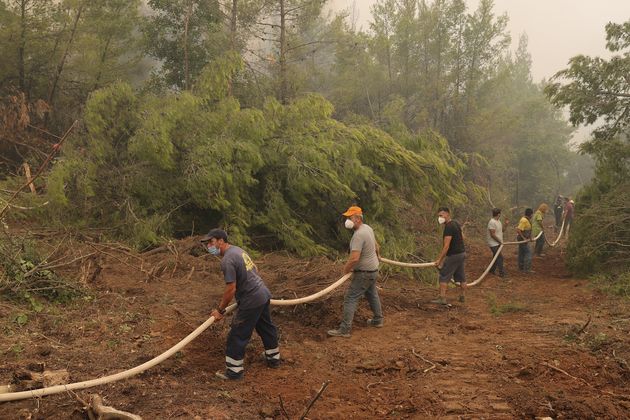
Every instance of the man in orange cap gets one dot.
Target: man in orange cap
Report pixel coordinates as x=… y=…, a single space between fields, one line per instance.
x=363 y=263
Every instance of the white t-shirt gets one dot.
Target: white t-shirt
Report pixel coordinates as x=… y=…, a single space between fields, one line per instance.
x=498 y=232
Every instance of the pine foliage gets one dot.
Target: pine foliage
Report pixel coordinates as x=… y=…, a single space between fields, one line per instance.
x=144 y=164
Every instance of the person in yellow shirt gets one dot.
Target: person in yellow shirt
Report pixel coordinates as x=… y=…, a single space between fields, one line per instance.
x=524 y=233
x=537 y=227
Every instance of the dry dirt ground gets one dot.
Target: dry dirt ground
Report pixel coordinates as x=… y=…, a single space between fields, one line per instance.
x=518 y=348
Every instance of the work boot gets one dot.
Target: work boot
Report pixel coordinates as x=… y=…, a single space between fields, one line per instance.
x=338 y=333
x=462 y=298
x=439 y=301
x=271 y=363
x=228 y=375
x=374 y=323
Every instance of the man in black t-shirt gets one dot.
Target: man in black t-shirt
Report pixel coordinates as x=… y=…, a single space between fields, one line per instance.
x=450 y=262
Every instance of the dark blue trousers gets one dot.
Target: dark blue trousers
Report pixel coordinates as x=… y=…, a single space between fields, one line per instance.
x=243 y=325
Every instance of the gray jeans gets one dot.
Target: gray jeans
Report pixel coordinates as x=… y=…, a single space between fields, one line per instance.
x=362 y=284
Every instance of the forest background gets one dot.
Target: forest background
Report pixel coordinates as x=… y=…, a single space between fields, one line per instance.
x=270 y=117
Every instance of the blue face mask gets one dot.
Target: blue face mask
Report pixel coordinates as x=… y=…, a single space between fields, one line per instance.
x=214 y=250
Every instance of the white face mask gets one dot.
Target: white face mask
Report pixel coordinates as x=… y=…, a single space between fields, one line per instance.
x=349 y=224
x=441 y=220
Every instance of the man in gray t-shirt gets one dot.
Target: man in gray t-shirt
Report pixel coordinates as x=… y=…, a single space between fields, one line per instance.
x=243 y=283
x=363 y=263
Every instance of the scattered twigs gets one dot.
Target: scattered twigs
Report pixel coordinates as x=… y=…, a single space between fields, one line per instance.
x=565 y=373
x=581 y=330
x=40 y=265
x=433 y=365
x=189 y=276
x=622 y=362
x=80 y=257
x=118 y=248
x=84 y=404
x=120 y=260
x=155 y=251
x=39 y=170
x=319 y=393
x=282 y=409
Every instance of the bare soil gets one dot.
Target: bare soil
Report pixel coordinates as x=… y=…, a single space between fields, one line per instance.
x=515 y=349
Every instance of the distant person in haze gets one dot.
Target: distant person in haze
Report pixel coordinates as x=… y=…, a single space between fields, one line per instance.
x=243 y=283
x=558 y=209
x=363 y=264
x=524 y=233
x=569 y=210
x=537 y=227
x=450 y=262
x=494 y=238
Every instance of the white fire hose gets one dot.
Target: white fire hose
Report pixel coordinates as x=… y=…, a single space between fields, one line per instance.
x=12 y=396
x=35 y=393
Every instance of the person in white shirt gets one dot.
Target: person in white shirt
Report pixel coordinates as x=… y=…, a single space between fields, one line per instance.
x=494 y=238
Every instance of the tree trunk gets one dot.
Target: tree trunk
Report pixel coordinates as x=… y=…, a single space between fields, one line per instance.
x=102 y=63
x=233 y=20
x=55 y=83
x=22 y=46
x=186 y=58
x=283 y=54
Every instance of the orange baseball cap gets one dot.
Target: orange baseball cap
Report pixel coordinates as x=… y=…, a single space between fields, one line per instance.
x=353 y=211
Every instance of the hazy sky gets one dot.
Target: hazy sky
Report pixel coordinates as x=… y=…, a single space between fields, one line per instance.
x=557 y=29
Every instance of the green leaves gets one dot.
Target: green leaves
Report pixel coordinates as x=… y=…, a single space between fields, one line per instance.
x=284 y=171
x=597 y=91
x=594 y=88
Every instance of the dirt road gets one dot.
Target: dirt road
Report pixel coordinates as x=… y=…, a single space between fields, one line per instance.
x=516 y=349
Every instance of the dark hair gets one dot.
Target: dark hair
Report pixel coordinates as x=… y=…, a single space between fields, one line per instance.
x=496 y=211
x=529 y=212
x=216 y=234
x=443 y=209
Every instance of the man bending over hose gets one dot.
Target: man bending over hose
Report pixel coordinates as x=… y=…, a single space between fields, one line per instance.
x=243 y=282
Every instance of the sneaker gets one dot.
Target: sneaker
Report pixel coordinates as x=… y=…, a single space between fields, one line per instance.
x=439 y=301
x=228 y=376
x=338 y=333
x=462 y=298
x=377 y=324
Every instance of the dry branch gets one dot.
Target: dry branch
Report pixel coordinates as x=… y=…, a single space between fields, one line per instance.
x=319 y=393
x=565 y=373
x=283 y=410
x=433 y=365
x=581 y=330
x=40 y=169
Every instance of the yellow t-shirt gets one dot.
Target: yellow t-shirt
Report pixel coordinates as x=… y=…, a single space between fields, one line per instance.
x=524 y=224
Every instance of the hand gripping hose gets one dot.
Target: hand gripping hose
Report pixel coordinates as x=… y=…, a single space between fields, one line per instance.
x=12 y=396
